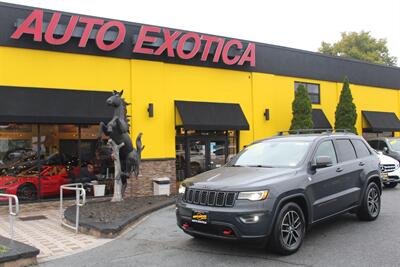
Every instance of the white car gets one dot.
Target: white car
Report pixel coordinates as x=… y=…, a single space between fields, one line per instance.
x=390 y=170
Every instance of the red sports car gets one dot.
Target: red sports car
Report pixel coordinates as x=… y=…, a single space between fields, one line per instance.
x=26 y=184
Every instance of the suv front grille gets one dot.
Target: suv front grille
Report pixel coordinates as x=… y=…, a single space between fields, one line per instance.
x=209 y=198
x=388 y=167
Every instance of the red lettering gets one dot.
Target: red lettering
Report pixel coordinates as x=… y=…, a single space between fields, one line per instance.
x=249 y=55
x=218 y=51
x=35 y=17
x=168 y=42
x=209 y=40
x=90 y=22
x=181 y=44
x=102 y=32
x=228 y=45
x=142 y=37
x=53 y=25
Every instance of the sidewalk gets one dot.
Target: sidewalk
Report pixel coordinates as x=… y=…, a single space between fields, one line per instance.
x=46 y=234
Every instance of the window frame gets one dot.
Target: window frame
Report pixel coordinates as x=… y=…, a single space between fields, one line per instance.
x=297 y=83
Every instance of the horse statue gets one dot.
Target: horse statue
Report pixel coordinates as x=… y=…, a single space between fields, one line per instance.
x=117 y=129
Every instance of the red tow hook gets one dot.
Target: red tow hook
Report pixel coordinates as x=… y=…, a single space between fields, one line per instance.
x=227 y=232
x=185 y=226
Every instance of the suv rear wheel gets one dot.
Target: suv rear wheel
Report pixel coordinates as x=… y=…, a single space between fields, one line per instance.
x=371 y=203
x=289 y=230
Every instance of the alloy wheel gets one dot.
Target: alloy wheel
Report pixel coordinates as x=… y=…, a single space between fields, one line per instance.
x=373 y=202
x=291 y=229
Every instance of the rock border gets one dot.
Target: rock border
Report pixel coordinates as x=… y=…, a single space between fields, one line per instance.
x=108 y=230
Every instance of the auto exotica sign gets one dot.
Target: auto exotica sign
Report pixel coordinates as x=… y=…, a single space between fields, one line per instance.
x=150 y=40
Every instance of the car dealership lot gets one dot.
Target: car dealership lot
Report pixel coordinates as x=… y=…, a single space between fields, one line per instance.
x=344 y=241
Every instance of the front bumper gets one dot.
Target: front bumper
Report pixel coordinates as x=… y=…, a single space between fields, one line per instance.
x=224 y=223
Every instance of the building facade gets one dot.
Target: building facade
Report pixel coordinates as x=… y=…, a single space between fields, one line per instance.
x=196 y=98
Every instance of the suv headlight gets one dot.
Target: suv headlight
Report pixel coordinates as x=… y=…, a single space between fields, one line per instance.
x=253 y=196
x=182 y=189
x=396 y=166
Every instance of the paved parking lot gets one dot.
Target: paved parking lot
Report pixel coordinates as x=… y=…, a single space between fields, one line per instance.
x=345 y=241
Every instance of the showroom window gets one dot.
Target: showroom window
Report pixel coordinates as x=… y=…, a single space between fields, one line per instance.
x=312 y=89
x=36 y=159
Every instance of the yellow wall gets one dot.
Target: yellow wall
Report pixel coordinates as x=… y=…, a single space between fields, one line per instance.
x=161 y=83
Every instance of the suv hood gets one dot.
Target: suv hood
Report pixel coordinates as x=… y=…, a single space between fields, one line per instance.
x=238 y=178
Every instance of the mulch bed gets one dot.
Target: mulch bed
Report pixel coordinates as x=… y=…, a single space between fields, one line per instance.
x=108 y=219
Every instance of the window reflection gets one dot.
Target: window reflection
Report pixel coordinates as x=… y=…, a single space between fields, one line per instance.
x=35 y=160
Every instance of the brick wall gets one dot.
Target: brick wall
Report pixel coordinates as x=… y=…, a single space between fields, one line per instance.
x=149 y=169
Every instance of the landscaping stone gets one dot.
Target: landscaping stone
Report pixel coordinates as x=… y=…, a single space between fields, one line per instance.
x=108 y=219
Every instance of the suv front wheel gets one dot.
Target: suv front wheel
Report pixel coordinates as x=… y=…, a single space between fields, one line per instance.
x=371 y=203
x=289 y=230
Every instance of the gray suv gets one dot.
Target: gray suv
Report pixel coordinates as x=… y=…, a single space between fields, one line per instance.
x=276 y=188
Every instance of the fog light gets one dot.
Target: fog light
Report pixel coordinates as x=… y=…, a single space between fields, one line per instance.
x=250 y=218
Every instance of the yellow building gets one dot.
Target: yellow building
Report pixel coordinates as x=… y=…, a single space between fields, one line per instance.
x=196 y=98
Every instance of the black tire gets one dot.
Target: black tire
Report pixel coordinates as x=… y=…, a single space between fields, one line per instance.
x=390 y=185
x=289 y=230
x=27 y=192
x=371 y=203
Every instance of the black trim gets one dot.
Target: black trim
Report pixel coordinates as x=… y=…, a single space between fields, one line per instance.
x=381 y=121
x=53 y=106
x=211 y=116
x=269 y=58
x=319 y=119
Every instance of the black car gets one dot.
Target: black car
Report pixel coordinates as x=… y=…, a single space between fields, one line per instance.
x=276 y=188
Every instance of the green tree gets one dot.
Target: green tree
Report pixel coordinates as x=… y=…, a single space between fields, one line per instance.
x=301 y=110
x=360 y=46
x=346 y=113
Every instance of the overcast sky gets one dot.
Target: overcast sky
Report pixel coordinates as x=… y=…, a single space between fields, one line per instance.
x=298 y=24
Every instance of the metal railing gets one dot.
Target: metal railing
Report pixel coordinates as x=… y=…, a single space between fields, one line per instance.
x=79 y=193
x=12 y=211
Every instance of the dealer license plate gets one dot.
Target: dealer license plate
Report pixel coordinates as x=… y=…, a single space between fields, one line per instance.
x=200 y=217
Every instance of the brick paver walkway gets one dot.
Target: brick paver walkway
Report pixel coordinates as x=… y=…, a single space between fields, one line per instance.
x=48 y=235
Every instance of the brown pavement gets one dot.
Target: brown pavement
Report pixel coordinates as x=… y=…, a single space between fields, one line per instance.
x=46 y=234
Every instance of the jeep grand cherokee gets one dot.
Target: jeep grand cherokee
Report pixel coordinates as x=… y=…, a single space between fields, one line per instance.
x=275 y=188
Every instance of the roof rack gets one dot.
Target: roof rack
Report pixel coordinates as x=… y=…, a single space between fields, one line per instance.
x=314 y=131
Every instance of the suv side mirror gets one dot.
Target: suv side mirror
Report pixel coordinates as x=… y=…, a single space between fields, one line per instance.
x=321 y=162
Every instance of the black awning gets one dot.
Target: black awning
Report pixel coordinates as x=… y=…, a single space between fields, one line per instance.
x=319 y=119
x=39 y=105
x=381 y=121
x=211 y=116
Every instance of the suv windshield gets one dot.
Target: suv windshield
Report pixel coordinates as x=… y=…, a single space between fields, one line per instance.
x=394 y=144
x=272 y=153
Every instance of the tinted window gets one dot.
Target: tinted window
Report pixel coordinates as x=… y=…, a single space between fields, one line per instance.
x=381 y=145
x=361 y=148
x=345 y=150
x=373 y=144
x=312 y=89
x=326 y=149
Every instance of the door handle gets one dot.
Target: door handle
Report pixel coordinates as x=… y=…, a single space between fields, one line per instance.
x=361 y=163
x=339 y=169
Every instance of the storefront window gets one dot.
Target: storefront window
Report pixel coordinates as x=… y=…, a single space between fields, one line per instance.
x=200 y=151
x=35 y=160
